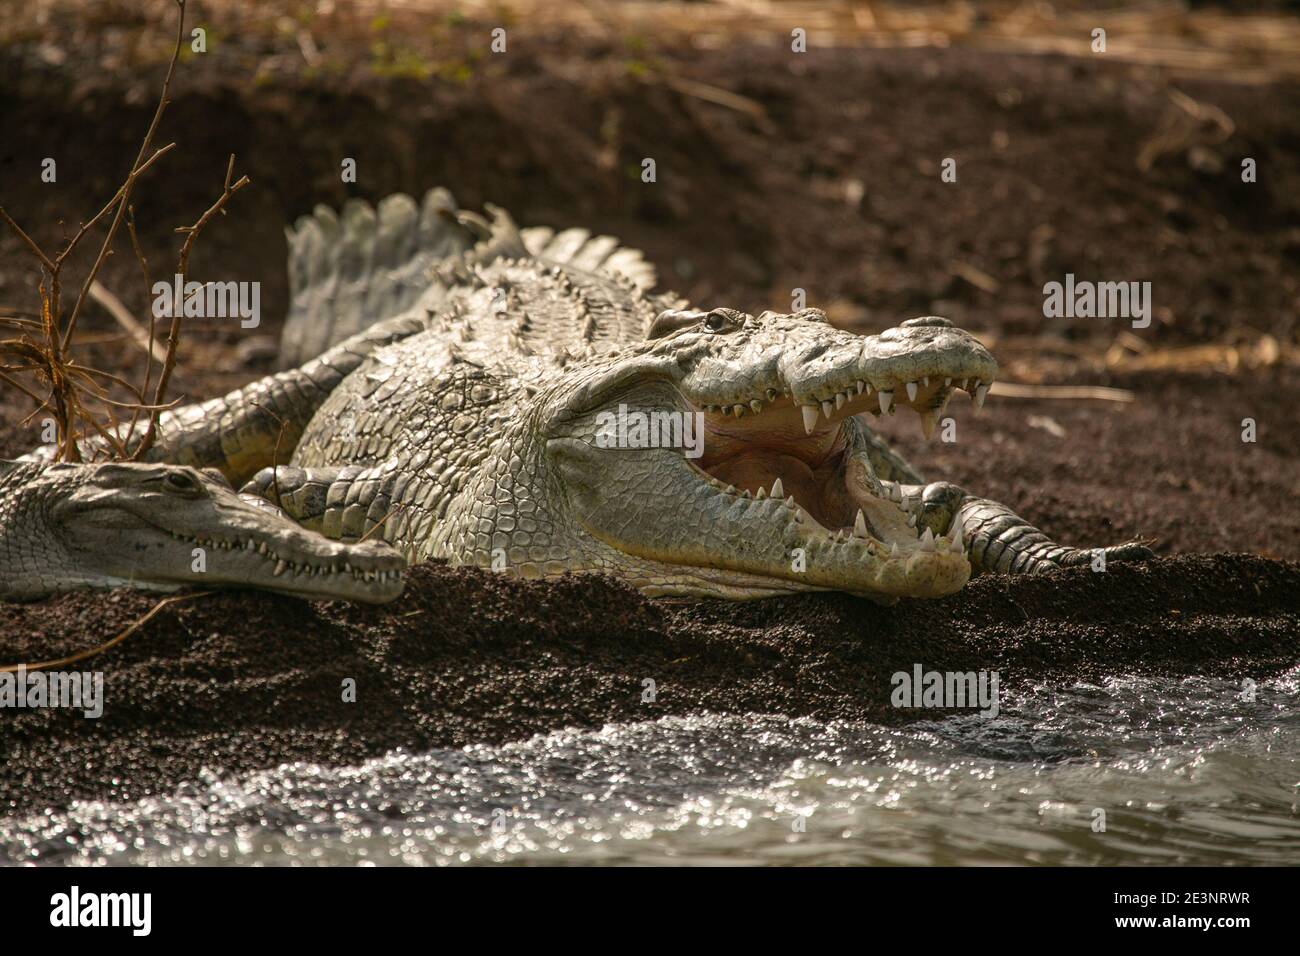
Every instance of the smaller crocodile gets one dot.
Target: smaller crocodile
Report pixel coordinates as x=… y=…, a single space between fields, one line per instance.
x=162 y=527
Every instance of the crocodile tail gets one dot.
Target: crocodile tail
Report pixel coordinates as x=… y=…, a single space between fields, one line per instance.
x=348 y=271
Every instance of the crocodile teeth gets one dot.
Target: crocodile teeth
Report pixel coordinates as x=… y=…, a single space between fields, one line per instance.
x=886 y=401
x=737 y=410
x=756 y=405
x=893 y=550
x=860 y=525
x=860 y=386
x=809 y=417
x=827 y=408
x=280 y=567
x=981 y=392
x=839 y=400
x=927 y=540
x=928 y=421
x=925 y=380
x=911 y=391
x=911 y=521
x=760 y=494
x=771 y=395
x=778 y=490
x=957 y=547
x=947 y=382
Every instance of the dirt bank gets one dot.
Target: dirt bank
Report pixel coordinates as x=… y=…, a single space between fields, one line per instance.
x=240 y=681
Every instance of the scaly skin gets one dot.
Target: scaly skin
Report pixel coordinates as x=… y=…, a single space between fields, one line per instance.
x=459 y=416
x=68 y=526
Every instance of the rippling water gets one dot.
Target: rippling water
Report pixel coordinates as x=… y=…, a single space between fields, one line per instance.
x=1186 y=771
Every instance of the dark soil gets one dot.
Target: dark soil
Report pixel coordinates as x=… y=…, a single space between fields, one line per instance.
x=835 y=189
x=240 y=681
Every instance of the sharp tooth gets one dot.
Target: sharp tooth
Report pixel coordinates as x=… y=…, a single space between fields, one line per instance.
x=886 y=400
x=927 y=540
x=280 y=567
x=771 y=395
x=730 y=490
x=957 y=546
x=790 y=501
x=809 y=417
x=893 y=550
x=798 y=515
x=911 y=391
x=756 y=405
x=981 y=392
x=737 y=410
x=744 y=492
x=839 y=400
x=928 y=420
x=911 y=521
x=827 y=408
x=760 y=494
x=925 y=380
x=778 y=490
x=860 y=386
x=860 y=525
x=947 y=382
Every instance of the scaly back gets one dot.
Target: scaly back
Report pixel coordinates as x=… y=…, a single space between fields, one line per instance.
x=530 y=290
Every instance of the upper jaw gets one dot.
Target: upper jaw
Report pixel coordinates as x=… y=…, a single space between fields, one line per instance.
x=918 y=365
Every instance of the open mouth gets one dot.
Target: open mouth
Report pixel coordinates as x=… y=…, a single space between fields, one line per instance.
x=793 y=455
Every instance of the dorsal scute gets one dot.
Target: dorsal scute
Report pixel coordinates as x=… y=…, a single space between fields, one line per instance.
x=352 y=269
x=581 y=250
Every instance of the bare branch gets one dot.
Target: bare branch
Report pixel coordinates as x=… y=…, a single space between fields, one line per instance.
x=125 y=192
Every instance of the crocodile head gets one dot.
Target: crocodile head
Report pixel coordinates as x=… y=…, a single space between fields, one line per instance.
x=725 y=456
x=161 y=527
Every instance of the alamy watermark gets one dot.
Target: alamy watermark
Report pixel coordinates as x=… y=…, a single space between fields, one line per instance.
x=1098 y=300
x=657 y=429
x=950 y=689
x=75 y=909
x=75 y=690
x=209 y=300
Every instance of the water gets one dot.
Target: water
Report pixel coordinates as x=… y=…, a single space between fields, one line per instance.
x=1186 y=771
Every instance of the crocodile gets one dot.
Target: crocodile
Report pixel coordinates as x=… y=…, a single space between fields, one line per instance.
x=522 y=400
x=162 y=527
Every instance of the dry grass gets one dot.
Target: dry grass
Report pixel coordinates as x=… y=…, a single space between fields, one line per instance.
x=39 y=356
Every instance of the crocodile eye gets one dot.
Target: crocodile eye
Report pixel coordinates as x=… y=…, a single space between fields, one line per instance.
x=721 y=320
x=180 y=481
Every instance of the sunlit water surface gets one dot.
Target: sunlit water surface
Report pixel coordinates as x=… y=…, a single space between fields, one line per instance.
x=1185 y=772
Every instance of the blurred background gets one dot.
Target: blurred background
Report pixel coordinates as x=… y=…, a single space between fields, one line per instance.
x=776 y=171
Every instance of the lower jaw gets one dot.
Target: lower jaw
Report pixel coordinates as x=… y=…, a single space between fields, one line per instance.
x=915 y=574
x=315 y=587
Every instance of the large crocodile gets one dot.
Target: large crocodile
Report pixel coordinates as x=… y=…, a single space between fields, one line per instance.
x=520 y=400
